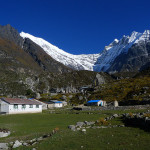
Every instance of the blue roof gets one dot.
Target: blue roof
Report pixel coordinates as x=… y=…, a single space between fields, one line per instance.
x=93 y=101
x=58 y=102
x=55 y=101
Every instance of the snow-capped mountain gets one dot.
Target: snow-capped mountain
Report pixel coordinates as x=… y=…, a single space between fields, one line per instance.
x=94 y=62
x=117 y=47
x=77 y=62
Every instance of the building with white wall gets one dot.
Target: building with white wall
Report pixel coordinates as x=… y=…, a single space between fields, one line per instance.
x=54 y=104
x=95 y=103
x=17 y=106
x=44 y=105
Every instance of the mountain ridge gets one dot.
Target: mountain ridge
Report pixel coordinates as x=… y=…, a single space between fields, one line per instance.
x=102 y=61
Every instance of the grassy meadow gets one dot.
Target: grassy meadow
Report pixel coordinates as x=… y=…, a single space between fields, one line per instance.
x=29 y=126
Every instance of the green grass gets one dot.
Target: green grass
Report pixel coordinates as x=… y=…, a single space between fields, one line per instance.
x=97 y=139
x=28 y=126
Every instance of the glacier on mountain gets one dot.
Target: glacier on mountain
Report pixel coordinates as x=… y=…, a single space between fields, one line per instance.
x=77 y=62
x=92 y=62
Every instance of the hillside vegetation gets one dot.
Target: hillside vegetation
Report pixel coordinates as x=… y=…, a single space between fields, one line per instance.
x=124 y=89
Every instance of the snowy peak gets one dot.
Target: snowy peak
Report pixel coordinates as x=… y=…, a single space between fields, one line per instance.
x=111 y=52
x=93 y=62
x=111 y=44
x=77 y=62
x=144 y=37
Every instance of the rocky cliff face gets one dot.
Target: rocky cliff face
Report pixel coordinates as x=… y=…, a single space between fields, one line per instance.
x=26 y=53
x=138 y=57
x=46 y=62
x=9 y=33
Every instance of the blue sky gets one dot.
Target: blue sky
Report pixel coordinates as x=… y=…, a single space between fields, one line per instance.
x=77 y=26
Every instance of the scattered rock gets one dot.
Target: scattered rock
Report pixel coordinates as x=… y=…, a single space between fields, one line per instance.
x=4 y=146
x=25 y=144
x=4 y=134
x=94 y=127
x=33 y=140
x=103 y=127
x=88 y=127
x=89 y=123
x=72 y=127
x=83 y=130
x=34 y=143
x=115 y=115
x=80 y=124
x=122 y=125
x=116 y=104
x=17 y=144
x=40 y=139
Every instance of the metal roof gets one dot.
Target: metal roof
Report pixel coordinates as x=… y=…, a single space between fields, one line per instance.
x=55 y=101
x=93 y=101
x=20 y=101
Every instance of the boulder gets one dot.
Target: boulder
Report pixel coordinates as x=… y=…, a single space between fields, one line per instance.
x=99 y=79
x=33 y=140
x=4 y=146
x=4 y=134
x=116 y=104
x=89 y=123
x=80 y=124
x=40 y=139
x=72 y=127
x=17 y=144
x=83 y=130
x=34 y=143
x=107 y=118
x=78 y=129
x=38 y=96
x=25 y=144
x=115 y=115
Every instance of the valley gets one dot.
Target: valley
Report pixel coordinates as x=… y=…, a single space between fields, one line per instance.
x=35 y=70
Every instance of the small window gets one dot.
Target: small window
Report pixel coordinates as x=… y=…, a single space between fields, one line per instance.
x=15 y=106
x=23 y=106
x=37 y=106
x=31 y=106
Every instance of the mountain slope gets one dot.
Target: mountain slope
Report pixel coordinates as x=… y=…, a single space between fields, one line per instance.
x=77 y=62
x=114 y=58
x=46 y=62
x=25 y=54
x=136 y=58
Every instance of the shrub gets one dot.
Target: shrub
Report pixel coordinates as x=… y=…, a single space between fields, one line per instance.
x=131 y=114
x=147 y=115
x=102 y=121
